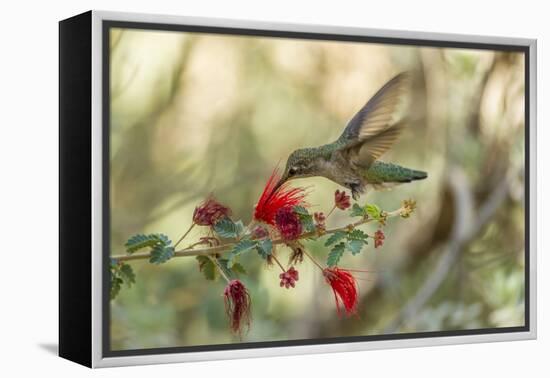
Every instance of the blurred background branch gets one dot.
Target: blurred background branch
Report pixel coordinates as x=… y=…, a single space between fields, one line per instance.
x=466 y=226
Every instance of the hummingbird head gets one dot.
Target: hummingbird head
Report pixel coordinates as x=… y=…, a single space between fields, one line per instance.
x=300 y=163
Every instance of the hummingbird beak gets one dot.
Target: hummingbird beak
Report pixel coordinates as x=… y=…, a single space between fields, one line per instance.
x=280 y=183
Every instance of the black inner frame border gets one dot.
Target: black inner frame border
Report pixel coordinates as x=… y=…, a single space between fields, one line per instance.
x=106 y=307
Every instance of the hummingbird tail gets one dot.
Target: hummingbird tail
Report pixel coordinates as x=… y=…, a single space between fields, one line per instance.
x=408 y=175
x=381 y=173
x=418 y=175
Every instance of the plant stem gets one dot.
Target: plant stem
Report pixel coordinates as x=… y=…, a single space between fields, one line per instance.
x=314 y=261
x=226 y=247
x=278 y=263
x=331 y=211
x=217 y=263
x=184 y=235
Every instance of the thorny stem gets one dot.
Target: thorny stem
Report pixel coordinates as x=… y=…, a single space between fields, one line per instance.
x=208 y=251
x=184 y=235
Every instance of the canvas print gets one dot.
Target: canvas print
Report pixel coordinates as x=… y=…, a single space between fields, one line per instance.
x=294 y=190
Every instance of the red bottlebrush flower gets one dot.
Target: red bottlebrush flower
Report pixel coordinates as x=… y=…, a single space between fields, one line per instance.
x=209 y=212
x=341 y=200
x=289 y=278
x=379 y=238
x=320 y=219
x=344 y=287
x=288 y=223
x=274 y=198
x=237 y=305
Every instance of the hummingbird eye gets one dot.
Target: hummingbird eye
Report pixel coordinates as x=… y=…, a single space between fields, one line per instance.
x=292 y=171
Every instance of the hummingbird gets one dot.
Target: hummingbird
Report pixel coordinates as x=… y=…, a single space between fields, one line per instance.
x=352 y=160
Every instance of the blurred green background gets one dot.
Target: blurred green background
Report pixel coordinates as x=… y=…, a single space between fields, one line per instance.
x=193 y=114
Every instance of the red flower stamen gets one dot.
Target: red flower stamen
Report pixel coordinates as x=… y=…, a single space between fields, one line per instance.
x=237 y=305
x=209 y=212
x=273 y=199
x=344 y=286
x=289 y=278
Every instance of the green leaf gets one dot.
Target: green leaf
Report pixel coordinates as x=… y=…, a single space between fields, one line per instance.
x=335 y=254
x=305 y=218
x=207 y=267
x=116 y=284
x=223 y=264
x=307 y=223
x=373 y=211
x=240 y=227
x=264 y=247
x=357 y=234
x=357 y=211
x=226 y=228
x=355 y=246
x=300 y=210
x=241 y=247
x=127 y=274
x=238 y=268
x=120 y=273
x=161 y=253
x=140 y=241
x=336 y=237
x=210 y=270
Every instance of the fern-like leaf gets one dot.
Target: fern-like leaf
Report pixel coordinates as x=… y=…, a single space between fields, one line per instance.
x=264 y=248
x=335 y=254
x=241 y=247
x=226 y=228
x=357 y=211
x=116 y=284
x=357 y=234
x=141 y=241
x=335 y=238
x=207 y=267
x=355 y=246
x=373 y=211
x=127 y=274
x=161 y=253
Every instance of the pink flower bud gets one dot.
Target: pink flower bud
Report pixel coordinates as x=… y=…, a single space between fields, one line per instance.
x=289 y=278
x=341 y=200
x=379 y=238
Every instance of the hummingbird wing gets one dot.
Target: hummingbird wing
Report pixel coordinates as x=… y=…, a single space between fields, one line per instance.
x=371 y=132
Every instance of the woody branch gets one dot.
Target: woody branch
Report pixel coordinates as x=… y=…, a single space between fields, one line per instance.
x=220 y=249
